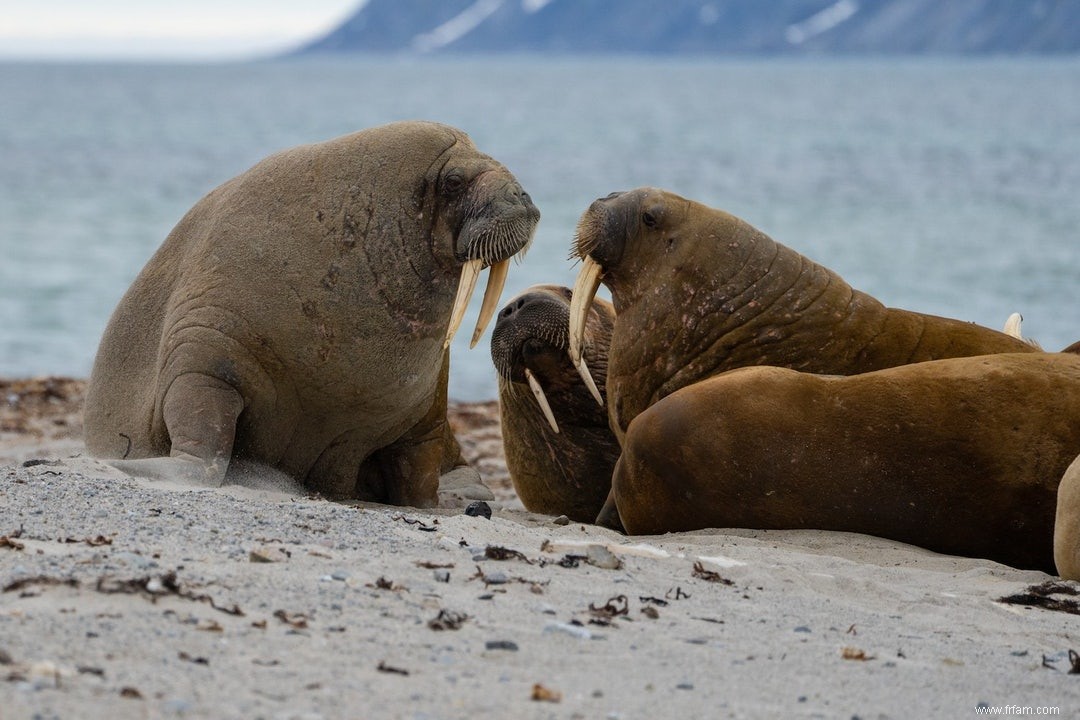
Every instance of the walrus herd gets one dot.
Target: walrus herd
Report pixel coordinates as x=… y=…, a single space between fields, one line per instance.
x=299 y=316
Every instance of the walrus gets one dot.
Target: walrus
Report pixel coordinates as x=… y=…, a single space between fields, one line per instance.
x=960 y=456
x=1067 y=524
x=558 y=447
x=299 y=315
x=697 y=291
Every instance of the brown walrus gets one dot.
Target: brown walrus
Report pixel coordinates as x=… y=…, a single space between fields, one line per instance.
x=1067 y=524
x=559 y=449
x=960 y=456
x=299 y=314
x=698 y=291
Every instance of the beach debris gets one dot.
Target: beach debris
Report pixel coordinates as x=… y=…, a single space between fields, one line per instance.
x=441 y=575
x=419 y=524
x=578 y=547
x=854 y=653
x=6 y=541
x=197 y=660
x=615 y=607
x=709 y=575
x=383 y=667
x=22 y=583
x=448 y=620
x=497 y=552
x=268 y=554
x=508 y=645
x=541 y=693
x=383 y=583
x=650 y=612
x=1074 y=662
x=92 y=542
x=159 y=586
x=131 y=693
x=1042 y=596
x=479 y=508
x=599 y=556
x=676 y=593
x=428 y=565
x=297 y=621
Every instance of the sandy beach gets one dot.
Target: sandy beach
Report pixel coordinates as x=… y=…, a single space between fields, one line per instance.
x=126 y=598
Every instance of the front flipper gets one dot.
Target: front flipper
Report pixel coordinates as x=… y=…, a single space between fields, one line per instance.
x=200 y=413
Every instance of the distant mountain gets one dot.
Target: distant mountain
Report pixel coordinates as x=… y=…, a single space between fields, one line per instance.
x=707 y=27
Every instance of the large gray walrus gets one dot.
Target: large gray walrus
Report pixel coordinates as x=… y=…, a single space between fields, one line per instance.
x=299 y=316
x=559 y=449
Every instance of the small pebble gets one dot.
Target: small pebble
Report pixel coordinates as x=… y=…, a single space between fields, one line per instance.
x=442 y=575
x=339 y=575
x=501 y=645
x=479 y=508
x=561 y=520
x=576 y=631
x=802 y=629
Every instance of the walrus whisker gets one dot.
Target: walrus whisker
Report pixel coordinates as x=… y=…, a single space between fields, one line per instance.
x=469 y=274
x=541 y=398
x=492 y=293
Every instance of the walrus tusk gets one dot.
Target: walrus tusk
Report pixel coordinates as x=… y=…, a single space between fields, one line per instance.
x=1012 y=326
x=469 y=273
x=541 y=398
x=495 y=283
x=583 y=371
x=585 y=287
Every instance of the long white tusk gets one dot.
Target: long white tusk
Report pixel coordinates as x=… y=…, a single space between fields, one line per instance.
x=1012 y=326
x=585 y=287
x=469 y=273
x=495 y=283
x=541 y=398
x=583 y=371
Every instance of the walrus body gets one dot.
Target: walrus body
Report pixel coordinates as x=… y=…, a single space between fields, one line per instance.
x=562 y=464
x=1067 y=524
x=698 y=291
x=961 y=456
x=298 y=315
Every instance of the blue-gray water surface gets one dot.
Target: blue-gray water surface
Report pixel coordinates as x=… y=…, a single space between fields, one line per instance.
x=947 y=186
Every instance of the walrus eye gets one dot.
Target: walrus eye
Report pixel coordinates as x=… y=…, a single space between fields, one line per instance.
x=649 y=219
x=452 y=184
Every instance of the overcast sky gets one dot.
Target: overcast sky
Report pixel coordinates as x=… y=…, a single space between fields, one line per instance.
x=162 y=29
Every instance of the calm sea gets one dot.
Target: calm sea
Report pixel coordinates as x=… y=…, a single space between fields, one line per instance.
x=945 y=186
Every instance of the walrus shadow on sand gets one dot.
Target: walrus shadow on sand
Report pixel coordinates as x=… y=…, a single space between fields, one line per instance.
x=699 y=293
x=299 y=316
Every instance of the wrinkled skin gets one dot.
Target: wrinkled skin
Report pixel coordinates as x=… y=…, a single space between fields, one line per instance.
x=558 y=473
x=297 y=316
x=960 y=456
x=698 y=291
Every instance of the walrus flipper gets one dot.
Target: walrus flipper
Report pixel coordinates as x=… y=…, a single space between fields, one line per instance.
x=200 y=413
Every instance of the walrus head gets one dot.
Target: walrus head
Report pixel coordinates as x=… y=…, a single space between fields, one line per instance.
x=618 y=237
x=491 y=219
x=530 y=345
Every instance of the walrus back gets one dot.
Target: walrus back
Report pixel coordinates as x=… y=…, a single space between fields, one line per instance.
x=121 y=394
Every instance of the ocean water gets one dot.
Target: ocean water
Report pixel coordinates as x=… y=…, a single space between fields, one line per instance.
x=948 y=186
